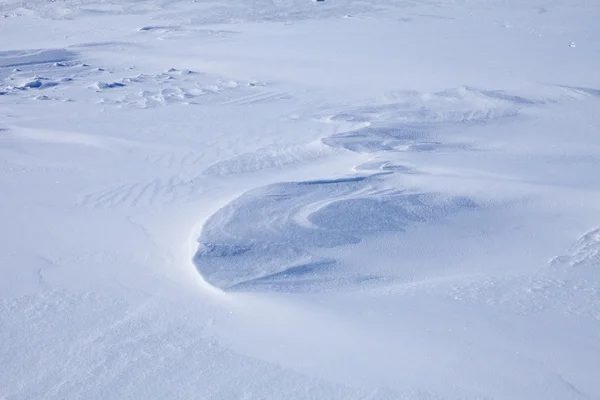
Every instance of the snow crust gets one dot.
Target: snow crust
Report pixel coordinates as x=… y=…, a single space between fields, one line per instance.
x=300 y=200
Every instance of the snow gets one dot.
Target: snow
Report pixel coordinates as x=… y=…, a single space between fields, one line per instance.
x=300 y=200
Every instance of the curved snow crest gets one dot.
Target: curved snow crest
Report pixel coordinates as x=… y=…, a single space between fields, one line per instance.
x=457 y=105
x=273 y=238
x=268 y=157
x=279 y=237
x=410 y=121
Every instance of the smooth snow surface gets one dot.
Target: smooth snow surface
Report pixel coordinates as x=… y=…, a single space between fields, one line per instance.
x=300 y=200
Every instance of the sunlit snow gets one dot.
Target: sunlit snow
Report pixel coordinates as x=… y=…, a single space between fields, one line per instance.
x=300 y=199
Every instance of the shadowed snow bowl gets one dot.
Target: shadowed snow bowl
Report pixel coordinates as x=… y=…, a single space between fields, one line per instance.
x=273 y=238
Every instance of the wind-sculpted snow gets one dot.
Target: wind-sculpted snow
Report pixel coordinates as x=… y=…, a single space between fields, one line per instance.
x=583 y=254
x=268 y=157
x=269 y=238
x=570 y=285
x=218 y=12
x=61 y=76
x=272 y=238
x=21 y=58
x=378 y=139
x=296 y=199
x=422 y=110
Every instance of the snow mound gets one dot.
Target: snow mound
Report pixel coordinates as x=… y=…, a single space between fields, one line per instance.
x=583 y=254
x=105 y=85
x=270 y=238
